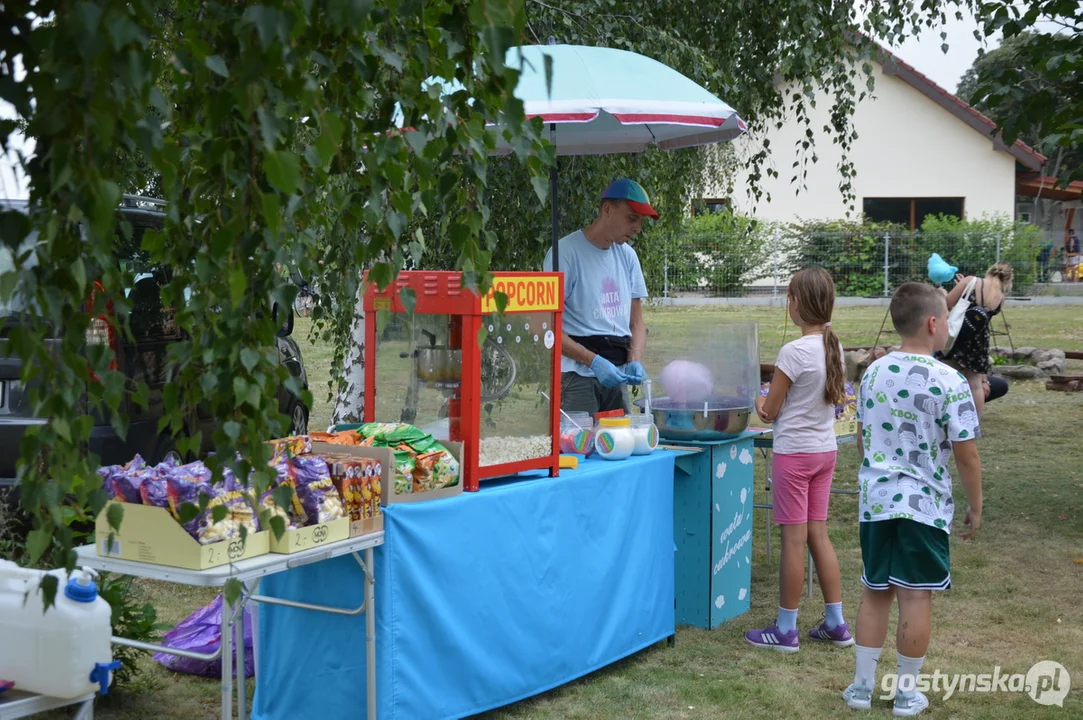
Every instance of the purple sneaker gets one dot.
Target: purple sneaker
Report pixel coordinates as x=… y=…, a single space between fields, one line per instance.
x=839 y=636
x=774 y=639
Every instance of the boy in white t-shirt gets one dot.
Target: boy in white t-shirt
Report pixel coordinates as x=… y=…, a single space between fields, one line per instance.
x=913 y=413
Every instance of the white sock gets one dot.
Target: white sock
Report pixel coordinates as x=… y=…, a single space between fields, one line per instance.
x=867 y=657
x=908 y=669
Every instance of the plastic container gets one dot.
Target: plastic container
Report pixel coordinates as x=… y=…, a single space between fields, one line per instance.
x=64 y=652
x=577 y=434
x=646 y=434
x=615 y=439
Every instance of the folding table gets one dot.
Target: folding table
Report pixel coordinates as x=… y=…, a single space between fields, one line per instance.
x=249 y=573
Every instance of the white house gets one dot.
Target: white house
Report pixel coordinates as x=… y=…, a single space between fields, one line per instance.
x=920 y=150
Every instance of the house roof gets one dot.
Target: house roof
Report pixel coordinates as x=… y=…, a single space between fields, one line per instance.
x=893 y=65
x=1038 y=185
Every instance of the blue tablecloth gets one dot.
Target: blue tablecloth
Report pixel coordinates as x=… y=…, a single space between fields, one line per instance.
x=483 y=599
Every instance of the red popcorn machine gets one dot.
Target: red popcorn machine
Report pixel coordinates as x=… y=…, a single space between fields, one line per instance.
x=460 y=371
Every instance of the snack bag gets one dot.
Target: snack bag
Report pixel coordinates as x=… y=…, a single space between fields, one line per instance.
x=363 y=480
x=122 y=482
x=293 y=445
x=153 y=489
x=848 y=409
x=287 y=475
x=371 y=490
x=388 y=434
x=238 y=512
x=267 y=502
x=405 y=464
x=423 y=471
x=446 y=471
x=348 y=477
x=314 y=488
x=436 y=472
x=346 y=437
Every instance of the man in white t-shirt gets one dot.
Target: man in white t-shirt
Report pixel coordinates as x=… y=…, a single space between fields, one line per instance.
x=604 y=335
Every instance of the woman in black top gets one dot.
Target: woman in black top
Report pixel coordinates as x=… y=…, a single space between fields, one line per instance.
x=970 y=352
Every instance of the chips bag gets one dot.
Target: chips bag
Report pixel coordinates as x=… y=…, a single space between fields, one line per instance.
x=238 y=512
x=123 y=482
x=294 y=445
x=405 y=464
x=318 y=496
x=347 y=437
x=287 y=475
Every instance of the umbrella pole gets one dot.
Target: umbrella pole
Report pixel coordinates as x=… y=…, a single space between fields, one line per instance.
x=554 y=209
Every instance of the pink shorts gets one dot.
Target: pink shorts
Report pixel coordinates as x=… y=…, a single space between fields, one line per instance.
x=802 y=485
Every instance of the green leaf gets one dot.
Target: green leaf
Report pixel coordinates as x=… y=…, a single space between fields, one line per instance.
x=272 y=211
x=115 y=515
x=283 y=170
x=249 y=358
x=49 y=585
x=271 y=24
x=238 y=284
x=187 y=512
x=231 y=593
x=37 y=542
x=540 y=183
x=283 y=496
x=218 y=513
x=409 y=300
x=396 y=222
x=232 y=429
x=278 y=526
x=217 y=65
x=382 y=274
x=269 y=127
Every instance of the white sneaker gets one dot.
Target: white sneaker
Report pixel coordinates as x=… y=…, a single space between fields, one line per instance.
x=858 y=697
x=910 y=704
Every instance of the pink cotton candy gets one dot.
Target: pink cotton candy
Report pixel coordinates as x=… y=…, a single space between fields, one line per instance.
x=686 y=382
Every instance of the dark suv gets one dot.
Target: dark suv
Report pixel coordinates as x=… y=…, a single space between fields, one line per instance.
x=144 y=360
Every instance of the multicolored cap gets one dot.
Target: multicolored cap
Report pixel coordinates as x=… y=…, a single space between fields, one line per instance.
x=633 y=193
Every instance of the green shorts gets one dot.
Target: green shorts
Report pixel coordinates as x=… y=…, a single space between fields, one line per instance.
x=906 y=554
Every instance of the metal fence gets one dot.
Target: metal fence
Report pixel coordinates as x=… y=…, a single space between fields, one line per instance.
x=863 y=265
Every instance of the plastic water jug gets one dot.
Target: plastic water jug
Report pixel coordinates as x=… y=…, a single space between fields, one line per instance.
x=62 y=652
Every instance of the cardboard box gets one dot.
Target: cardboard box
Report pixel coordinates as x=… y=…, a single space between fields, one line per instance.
x=308 y=537
x=150 y=534
x=388 y=496
x=846 y=427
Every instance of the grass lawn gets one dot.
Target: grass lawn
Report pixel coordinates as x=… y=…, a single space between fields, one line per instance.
x=1017 y=591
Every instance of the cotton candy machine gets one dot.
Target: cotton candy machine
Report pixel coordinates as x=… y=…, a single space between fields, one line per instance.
x=708 y=380
x=719 y=418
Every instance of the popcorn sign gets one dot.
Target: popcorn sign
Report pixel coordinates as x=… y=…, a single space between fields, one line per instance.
x=524 y=293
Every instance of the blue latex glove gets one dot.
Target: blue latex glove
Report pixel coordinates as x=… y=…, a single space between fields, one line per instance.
x=607 y=373
x=635 y=372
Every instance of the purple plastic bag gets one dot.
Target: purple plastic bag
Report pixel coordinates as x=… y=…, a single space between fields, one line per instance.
x=202 y=632
x=123 y=482
x=185 y=484
x=317 y=492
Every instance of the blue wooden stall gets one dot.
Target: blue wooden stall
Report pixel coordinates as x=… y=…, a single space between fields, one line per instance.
x=712 y=525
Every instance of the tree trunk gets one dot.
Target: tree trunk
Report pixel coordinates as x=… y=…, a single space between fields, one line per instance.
x=350 y=402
